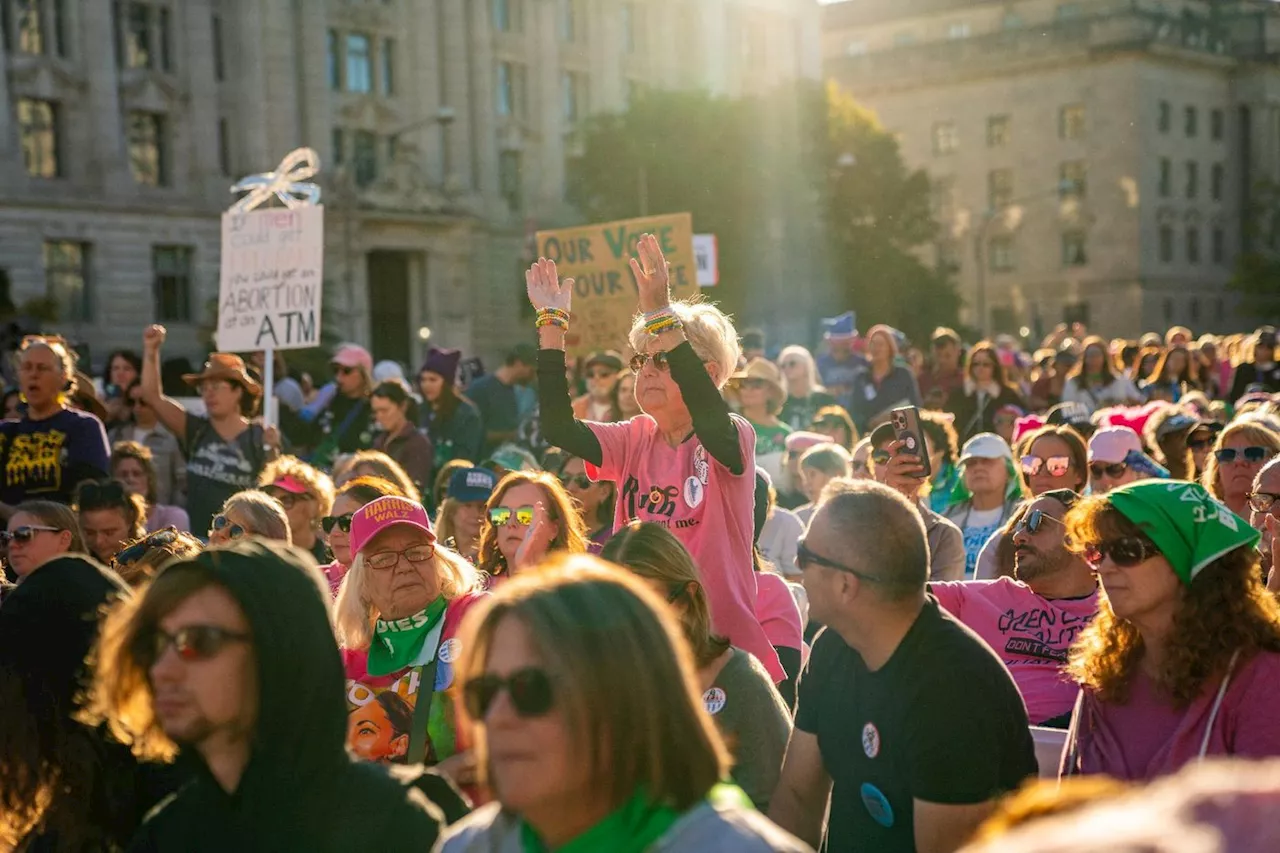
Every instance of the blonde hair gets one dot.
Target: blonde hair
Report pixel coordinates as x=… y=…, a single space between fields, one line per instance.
x=383 y=466
x=625 y=680
x=354 y=613
x=1252 y=429
x=318 y=484
x=810 y=367
x=709 y=331
x=265 y=516
x=561 y=508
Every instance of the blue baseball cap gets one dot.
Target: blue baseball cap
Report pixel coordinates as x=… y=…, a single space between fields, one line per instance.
x=471 y=484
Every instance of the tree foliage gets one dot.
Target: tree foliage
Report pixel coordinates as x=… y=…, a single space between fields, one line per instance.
x=814 y=210
x=1257 y=272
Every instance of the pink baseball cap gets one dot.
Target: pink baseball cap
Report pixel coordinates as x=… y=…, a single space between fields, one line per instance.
x=290 y=484
x=353 y=355
x=375 y=517
x=801 y=440
x=1112 y=444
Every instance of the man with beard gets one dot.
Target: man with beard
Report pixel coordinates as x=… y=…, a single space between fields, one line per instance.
x=1031 y=620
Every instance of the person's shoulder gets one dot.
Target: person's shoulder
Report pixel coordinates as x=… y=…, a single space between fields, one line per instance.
x=727 y=828
x=488 y=829
x=787 y=519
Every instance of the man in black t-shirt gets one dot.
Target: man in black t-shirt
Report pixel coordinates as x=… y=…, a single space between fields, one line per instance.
x=907 y=721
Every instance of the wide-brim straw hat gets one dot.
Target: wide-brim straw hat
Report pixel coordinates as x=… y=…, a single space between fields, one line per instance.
x=761 y=368
x=228 y=366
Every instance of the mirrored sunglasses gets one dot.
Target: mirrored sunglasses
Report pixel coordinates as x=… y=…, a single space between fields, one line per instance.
x=1033 y=521
x=640 y=359
x=192 y=643
x=500 y=515
x=1056 y=466
x=1263 y=501
x=222 y=523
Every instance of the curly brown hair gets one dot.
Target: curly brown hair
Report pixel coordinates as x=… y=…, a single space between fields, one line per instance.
x=1224 y=610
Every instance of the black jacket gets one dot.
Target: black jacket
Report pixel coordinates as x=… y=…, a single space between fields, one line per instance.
x=300 y=790
x=969 y=421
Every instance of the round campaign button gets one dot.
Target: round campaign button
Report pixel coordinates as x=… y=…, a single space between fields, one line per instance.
x=871 y=740
x=877 y=805
x=714 y=699
x=449 y=650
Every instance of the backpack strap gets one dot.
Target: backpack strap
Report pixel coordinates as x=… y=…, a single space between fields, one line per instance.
x=418 y=740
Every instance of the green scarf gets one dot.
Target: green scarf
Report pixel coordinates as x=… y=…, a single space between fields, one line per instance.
x=633 y=827
x=397 y=645
x=1189 y=526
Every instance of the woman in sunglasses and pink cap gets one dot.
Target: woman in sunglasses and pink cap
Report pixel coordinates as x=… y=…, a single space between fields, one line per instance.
x=1182 y=661
x=397 y=618
x=341 y=414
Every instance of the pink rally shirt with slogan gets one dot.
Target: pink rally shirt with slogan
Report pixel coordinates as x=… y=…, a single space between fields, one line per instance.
x=708 y=509
x=1030 y=633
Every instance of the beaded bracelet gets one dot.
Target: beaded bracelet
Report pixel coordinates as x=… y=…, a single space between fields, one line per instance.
x=661 y=321
x=552 y=317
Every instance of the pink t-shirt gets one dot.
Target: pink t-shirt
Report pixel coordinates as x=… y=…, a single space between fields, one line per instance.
x=1029 y=632
x=778 y=612
x=708 y=509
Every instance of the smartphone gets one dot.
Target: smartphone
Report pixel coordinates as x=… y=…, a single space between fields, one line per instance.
x=906 y=428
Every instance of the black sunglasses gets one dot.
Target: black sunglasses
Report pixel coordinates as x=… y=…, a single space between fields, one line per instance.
x=580 y=481
x=529 y=688
x=1250 y=454
x=1199 y=443
x=805 y=557
x=25 y=533
x=1112 y=470
x=1033 y=521
x=139 y=549
x=192 y=643
x=1125 y=552
x=640 y=359
x=342 y=522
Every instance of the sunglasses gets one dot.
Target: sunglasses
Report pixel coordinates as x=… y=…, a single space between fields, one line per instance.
x=1263 y=501
x=1033 y=521
x=287 y=499
x=221 y=523
x=25 y=533
x=192 y=643
x=1112 y=470
x=340 y=370
x=1125 y=552
x=640 y=359
x=529 y=688
x=500 y=515
x=579 y=481
x=384 y=560
x=805 y=557
x=342 y=522
x=601 y=374
x=755 y=384
x=1249 y=454
x=1057 y=466
x=1199 y=443
x=880 y=456
x=135 y=552
x=830 y=422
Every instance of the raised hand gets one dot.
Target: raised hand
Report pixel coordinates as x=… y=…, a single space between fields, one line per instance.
x=651 y=272
x=537 y=538
x=153 y=338
x=545 y=288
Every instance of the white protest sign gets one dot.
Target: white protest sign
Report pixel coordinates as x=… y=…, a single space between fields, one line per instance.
x=706 y=255
x=271 y=281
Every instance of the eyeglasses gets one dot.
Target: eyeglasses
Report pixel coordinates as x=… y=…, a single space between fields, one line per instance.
x=384 y=560
x=342 y=522
x=639 y=360
x=25 y=533
x=1033 y=521
x=1249 y=454
x=1112 y=470
x=1057 y=466
x=135 y=552
x=212 y=385
x=529 y=688
x=1125 y=552
x=500 y=515
x=806 y=557
x=1263 y=501
x=287 y=499
x=578 y=481
x=193 y=643
x=221 y=523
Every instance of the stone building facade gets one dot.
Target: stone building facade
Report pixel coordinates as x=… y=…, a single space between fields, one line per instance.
x=443 y=127
x=1092 y=160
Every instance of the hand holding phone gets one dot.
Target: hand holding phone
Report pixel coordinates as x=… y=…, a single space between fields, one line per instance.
x=906 y=429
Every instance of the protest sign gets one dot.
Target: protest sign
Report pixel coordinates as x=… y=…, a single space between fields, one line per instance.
x=707 y=252
x=270 y=285
x=597 y=258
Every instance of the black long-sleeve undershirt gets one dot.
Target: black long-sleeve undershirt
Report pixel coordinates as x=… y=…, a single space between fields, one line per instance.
x=709 y=411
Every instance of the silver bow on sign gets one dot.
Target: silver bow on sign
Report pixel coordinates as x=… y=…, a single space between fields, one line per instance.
x=287 y=183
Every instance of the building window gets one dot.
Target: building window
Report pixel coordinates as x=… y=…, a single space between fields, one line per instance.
x=510 y=178
x=510 y=89
x=224 y=147
x=958 y=30
x=1003 y=255
x=573 y=92
x=31 y=27
x=1073 y=249
x=1071 y=122
x=1166 y=244
x=629 y=24
x=364 y=156
x=1192 y=121
x=1166 y=117
x=506 y=15
x=148 y=155
x=1072 y=179
x=166 y=52
x=66 y=277
x=999 y=188
x=387 y=67
x=1193 y=178
x=38 y=131
x=942 y=193
x=359 y=70
x=333 y=63
x=219 y=69
x=137 y=37
x=569 y=21
x=1193 y=245
x=1217 y=124
x=1166 y=177
x=945 y=138
x=1219 y=247
x=1217 y=179
x=997 y=131
x=338 y=141
x=171 y=268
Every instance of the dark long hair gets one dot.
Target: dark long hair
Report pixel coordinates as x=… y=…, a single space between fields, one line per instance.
x=989 y=350
x=1108 y=370
x=397 y=392
x=1184 y=378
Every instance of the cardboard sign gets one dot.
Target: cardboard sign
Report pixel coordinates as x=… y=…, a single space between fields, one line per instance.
x=597 y=258
x=270 y=284
x=707 y=252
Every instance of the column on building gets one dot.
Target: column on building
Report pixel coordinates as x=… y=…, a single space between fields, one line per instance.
x=420 y=57
x=315 y=119
x=483 y=107
x=108 y=160
x=547 y=85
x=202 y=113
x=456 y=73
x=247 y=29
x=10 y=155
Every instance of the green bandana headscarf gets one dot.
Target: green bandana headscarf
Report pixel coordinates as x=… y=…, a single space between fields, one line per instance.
x=1189 y=526
x=398 y=644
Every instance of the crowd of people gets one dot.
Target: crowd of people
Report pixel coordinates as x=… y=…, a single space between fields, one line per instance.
x=707 y=596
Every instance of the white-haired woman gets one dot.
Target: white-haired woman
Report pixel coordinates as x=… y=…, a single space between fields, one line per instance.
x=689 y=465
x=805 y=396
x=397 y=615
